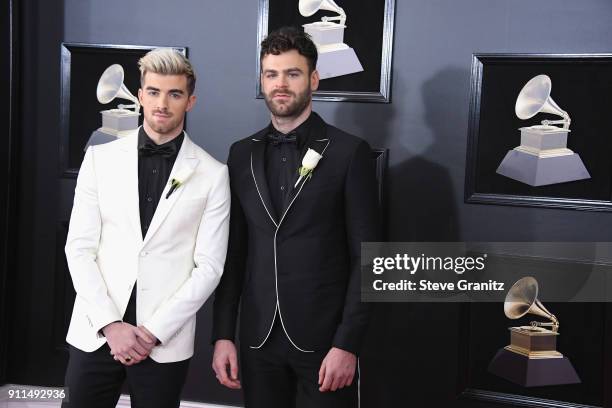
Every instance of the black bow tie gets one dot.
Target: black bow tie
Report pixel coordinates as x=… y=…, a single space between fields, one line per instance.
x=278 y=138
x=149 y=148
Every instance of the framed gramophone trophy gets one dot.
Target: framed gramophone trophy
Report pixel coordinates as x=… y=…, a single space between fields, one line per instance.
x=542 y=157
x=336 y=58
x=121 y=120
x=531 y=359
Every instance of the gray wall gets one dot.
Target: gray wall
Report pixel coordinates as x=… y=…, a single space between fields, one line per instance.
x=425 y=128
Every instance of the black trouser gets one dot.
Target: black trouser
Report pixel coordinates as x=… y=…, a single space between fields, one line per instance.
x=94 y=380
x=279 y=376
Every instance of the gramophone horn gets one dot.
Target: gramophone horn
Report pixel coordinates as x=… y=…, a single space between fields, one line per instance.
x=111 y=86
x=309 y=7
x=522 y=299
x=535 y=98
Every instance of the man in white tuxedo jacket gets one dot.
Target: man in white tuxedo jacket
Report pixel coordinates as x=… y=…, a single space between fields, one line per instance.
x=146 y=247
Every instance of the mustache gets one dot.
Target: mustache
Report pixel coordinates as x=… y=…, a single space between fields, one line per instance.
x=161 y=112
x=282 y=91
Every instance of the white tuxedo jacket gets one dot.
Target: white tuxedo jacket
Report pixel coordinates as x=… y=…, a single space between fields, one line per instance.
x=179 y=262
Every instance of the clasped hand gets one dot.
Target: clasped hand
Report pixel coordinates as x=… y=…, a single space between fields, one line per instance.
x=129 y=344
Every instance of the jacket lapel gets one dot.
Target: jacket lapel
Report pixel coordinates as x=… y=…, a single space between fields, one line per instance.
x=318 y=141
x=258 y=149
x=185 y=164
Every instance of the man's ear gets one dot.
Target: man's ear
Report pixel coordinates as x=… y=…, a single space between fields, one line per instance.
x=190 y=102
x=314 y=80
x=140 y=95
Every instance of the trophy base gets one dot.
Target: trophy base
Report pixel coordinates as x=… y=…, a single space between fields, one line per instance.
x=119 y=119
x=534 y=354
x=542 y=170
x=325 y=32
x=104 y=135
x=544 y=137
x=337 y=62
x=534 y=342
x=532 y=372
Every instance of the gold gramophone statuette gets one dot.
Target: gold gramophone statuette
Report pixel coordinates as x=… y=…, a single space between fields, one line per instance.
x=535 y=341
x=531 y=359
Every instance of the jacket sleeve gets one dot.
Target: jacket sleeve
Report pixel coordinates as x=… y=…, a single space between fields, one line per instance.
x=227 y=295
x=209 y=256
x=82 y=248
x=362 y=218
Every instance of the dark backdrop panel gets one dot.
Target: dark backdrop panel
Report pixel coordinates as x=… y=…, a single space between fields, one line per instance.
x=33 y=356
x=9 y=71
x=5 y=103
x=412 y=351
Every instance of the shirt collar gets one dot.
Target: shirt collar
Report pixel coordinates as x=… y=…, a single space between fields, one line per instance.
x=302 y=132
x=143 y=138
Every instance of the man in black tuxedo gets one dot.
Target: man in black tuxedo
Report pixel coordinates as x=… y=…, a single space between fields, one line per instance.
x=295 y=242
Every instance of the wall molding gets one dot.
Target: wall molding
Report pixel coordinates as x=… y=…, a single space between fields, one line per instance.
x=9 y=15
x=518 y=400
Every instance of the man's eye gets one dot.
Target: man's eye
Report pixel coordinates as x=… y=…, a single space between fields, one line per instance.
x=293 y=74
x=175 y=95
x=270 y=75
x=152 y=93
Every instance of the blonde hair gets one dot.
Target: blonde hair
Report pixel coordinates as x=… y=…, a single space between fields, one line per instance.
x=167 y=61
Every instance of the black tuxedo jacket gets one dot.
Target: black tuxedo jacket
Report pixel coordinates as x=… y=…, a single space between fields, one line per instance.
x=300 y=268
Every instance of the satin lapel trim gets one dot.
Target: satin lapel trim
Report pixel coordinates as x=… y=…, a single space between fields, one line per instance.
x=185 y=162
x=258 y=172
x=130 y=195
x=319 y=145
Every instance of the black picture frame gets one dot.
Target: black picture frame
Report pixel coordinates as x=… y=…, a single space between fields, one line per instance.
x=581 y=86
x=374 y=50
x=479 y=343
x=83 y=64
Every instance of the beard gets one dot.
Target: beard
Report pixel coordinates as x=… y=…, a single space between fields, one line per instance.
x=287 y=109
x=170 y=126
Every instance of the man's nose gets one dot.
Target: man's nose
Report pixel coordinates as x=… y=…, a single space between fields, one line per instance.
x=281 y=81
x=162 y=102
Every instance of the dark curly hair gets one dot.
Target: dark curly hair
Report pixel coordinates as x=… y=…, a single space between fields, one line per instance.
x=290 y=38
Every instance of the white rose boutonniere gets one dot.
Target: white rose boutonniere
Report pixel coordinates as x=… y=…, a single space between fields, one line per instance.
x=178 y=180
x=309 y=162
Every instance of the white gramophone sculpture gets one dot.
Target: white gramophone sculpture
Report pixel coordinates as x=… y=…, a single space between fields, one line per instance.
x=335 y=57
x=543 y=157
x=115 y=122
